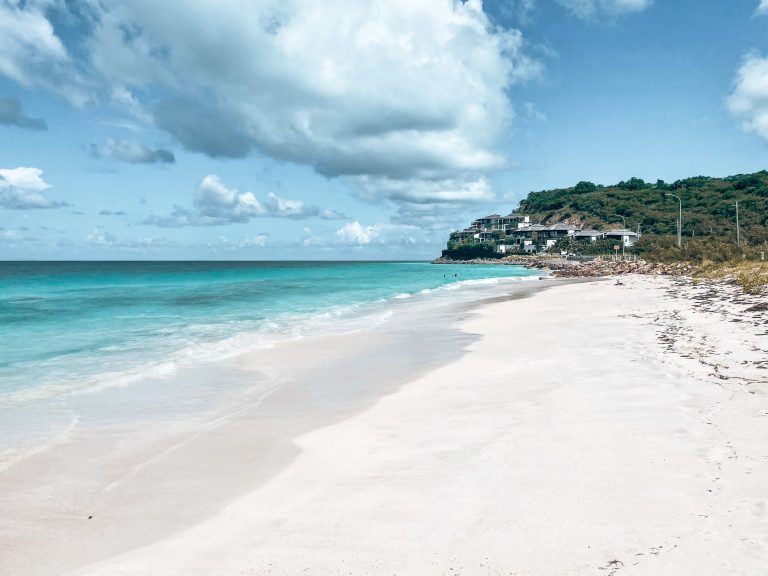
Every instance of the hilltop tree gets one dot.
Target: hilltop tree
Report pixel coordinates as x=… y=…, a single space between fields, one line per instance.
x=632 y=184
x=584 y=187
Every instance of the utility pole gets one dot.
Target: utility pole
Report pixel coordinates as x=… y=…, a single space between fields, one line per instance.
x=624 y=223
x=679 y=220
x=738 y=234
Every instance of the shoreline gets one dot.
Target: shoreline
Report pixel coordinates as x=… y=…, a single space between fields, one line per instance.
x=621 y=425
x=79 y=496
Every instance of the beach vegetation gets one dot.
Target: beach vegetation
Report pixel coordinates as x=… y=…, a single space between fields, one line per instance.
x=752 y=276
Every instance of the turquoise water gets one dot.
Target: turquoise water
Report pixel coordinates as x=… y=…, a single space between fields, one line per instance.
x=66 y=323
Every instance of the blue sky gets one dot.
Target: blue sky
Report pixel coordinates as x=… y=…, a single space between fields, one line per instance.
x=352 y=129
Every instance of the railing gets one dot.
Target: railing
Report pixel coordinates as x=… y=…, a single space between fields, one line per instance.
x=625 y=257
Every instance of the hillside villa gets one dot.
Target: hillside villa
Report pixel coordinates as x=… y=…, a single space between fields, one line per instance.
x=516 y=232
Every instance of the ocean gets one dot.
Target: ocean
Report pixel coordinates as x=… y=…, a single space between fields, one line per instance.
x=151 y=395
x=70 y=325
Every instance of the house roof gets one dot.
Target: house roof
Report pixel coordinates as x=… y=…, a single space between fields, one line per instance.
x=620 y=232
x=513 y=215
x=531 y=228
x=588 y=233
x=563 y=226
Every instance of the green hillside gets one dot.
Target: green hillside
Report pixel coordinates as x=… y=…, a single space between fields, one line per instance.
x=708 y=206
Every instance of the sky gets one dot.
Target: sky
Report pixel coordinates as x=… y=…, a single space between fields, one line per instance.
x=352 y=129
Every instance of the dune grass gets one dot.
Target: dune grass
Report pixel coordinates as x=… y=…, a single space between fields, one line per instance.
x=752 y=276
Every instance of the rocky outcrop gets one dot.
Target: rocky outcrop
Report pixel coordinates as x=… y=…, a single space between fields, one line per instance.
x=563 y=268
x=612 y=268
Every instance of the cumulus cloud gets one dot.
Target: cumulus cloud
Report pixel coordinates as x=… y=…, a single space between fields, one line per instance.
x=11 y=115
x=21 y=189
x=399 y=89
x=216 y=204
x=131 y=152
x=23 y=177
x=32 y=54
x=386 y=91
x=356 y=234
x=112 y=213
x=763 y=7
x=591 y=9
x=427 y=191
x=285 y=208
x=749 y=99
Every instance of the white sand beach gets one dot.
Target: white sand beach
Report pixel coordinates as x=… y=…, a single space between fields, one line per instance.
x=593 y=428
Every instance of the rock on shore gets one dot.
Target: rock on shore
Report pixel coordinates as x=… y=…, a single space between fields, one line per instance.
x=563 y=268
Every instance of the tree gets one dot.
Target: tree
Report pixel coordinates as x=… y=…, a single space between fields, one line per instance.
x=584 y=187
x=632 y=184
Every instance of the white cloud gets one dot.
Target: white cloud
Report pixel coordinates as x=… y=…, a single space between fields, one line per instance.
x=763 y=7
x=398 y=89
x=749 y=99
x=21 y=189
x=30 y=179
x=216 y=204
x=354 y=233
x=33 y=55
x=284 y=208
x=383 y=91
x=131 y=152
x=591 y=9
x=215 y=201
x=427 y=191
x=258 y=241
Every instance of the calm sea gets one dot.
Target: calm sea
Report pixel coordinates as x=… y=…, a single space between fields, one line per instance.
x=70 y=325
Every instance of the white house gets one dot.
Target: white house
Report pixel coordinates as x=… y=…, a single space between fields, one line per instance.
x=626 y=237
x=588 y=235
